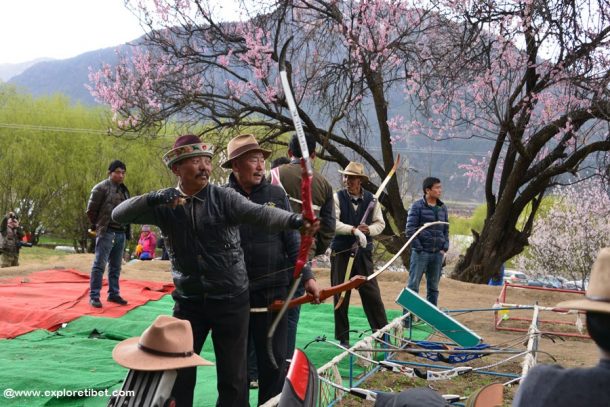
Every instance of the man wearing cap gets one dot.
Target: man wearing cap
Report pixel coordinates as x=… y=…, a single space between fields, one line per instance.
x=110 y=234
x=270 y=258
x=429 y=247
x=201 y=224
x=350 y=206
x=555 y=386
x=288 y=177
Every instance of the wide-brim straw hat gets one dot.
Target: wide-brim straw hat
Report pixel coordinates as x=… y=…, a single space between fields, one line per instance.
x=597 y=297
x=356 y=169
x=165 y=345
x=187 y=146
x=240 y=145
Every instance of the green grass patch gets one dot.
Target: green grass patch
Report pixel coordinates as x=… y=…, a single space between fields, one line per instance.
x=55 y=240
x=37 y=253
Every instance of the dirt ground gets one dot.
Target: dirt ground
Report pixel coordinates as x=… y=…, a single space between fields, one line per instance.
x=454 y=295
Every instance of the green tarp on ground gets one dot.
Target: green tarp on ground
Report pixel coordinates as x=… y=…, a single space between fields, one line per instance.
x=78 y=357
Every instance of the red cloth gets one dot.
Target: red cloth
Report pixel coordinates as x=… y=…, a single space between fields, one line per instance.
x=47 y=299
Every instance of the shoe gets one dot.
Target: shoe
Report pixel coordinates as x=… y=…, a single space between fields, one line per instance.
x=117 y=299
x=95 y=302
x=253 y=384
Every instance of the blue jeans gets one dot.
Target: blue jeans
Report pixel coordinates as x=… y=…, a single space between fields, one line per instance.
x=431 y=264
x=109 y=248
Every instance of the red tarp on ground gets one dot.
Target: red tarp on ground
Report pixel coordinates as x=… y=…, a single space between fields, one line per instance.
x=47 y=299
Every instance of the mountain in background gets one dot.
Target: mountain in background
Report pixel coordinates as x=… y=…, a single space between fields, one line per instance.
x=66 y=76
x=7 y=71
x=423 y=156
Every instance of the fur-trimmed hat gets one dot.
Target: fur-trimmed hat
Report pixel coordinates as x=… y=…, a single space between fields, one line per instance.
x=165 y=345
x=240 y=145
x=187 y=146
x=597 y=297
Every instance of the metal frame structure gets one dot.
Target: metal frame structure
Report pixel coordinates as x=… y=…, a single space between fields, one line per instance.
x=502 y=306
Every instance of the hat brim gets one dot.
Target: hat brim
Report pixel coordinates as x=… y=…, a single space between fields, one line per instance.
x=354 y=174
x=180 y=153
x=129 y=355
x=227 y=163
x=586 y=304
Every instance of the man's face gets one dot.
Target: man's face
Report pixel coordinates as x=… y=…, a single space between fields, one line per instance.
x=249 y=169
x=353 y=184
x=118 y=176
x=435 y=192
x=194 y=172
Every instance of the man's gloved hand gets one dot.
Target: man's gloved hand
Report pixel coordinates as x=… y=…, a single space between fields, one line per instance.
x=361 y=237
x=168 y=196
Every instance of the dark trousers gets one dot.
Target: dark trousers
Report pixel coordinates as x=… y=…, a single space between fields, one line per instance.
x=270 y=379
x=252 y=365
x=228 y=321
x=369 y=292
x=293 y=321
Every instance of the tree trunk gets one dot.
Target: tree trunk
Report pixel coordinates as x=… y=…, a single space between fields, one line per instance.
x=497 y=243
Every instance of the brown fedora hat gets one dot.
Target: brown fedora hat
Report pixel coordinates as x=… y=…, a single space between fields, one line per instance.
x=165 y=345
x=597 y=298
x=240 y=145
x=356 y=169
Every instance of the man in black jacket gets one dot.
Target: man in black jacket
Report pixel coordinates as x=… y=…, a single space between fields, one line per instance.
x=269 y=256
x=110 y=235
x=288 y=177
x=201 y=224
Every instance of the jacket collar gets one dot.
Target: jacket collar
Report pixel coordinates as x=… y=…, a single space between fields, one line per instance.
x=438 y=202
x=200 y=195
x=235 y=185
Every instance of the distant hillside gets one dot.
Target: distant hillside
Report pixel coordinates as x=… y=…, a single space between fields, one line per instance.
x=7 y=71
x=67 y=76
x=424 y=157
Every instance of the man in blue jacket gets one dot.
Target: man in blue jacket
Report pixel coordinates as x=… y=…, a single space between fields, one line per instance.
x=429 y=247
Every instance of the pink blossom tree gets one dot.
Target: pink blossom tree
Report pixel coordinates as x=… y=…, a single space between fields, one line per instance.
x=532 y=77
x=566 y=239
x=529 y=76
x=344 y=59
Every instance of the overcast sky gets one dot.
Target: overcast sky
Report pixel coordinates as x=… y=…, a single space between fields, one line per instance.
x=31 y=29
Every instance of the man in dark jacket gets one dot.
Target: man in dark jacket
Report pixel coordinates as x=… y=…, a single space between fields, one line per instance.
x=200 y=222
x=351 y=204
x=288 y=176
x=110 y=235
x=270 y=258
x=429 y=247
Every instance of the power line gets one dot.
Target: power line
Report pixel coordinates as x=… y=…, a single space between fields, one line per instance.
x=53 y=128
x=109 y=132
